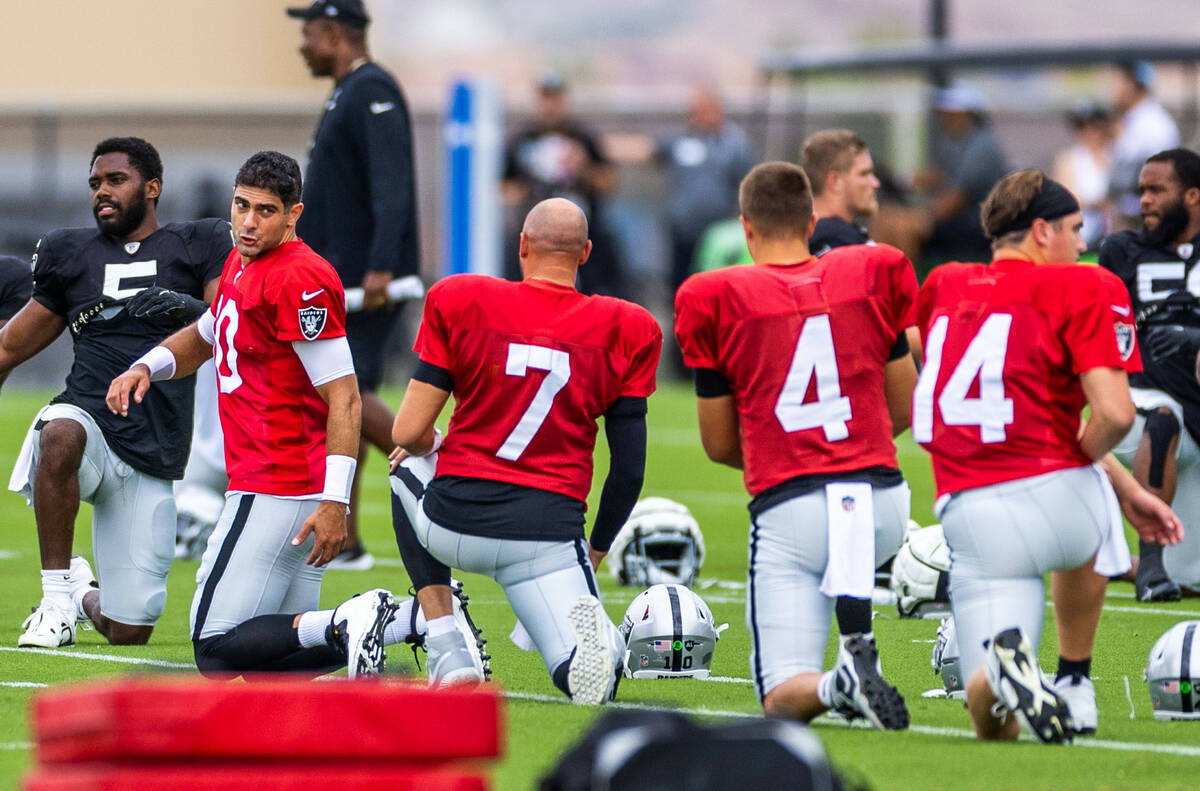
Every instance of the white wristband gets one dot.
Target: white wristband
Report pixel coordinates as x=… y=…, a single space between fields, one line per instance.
x=438 y=439
x=339 y=473
x=160 y=361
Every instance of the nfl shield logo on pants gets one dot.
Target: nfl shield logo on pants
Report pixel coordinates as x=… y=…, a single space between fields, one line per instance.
x=847 y=503
x=312 y=321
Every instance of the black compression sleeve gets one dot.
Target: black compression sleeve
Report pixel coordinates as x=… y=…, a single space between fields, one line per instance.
x=900 y=349
x=434 y=375
x=711 y=384
x=625 y=429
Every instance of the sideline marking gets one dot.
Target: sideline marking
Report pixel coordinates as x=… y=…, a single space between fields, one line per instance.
x=1184 y=750
x=125 y=660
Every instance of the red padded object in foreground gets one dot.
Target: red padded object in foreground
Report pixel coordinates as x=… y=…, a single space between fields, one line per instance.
x=241 y=777
x=189 y=718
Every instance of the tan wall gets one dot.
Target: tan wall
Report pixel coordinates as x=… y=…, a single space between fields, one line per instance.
x=238 y=53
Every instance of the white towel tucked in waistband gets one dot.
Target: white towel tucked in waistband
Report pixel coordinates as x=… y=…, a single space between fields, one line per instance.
x=1113 y=557
x=850 y=570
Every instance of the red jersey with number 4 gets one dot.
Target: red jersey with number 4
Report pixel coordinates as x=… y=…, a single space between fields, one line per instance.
x=272 y=416
x=803 y=347
x=534 y=365
x=999 y=397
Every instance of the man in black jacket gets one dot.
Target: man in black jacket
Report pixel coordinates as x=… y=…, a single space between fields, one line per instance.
x=360 y=202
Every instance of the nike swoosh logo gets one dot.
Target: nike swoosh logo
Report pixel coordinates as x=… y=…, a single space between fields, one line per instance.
x=1121 y=310
x=307 y=295
x=381 y=107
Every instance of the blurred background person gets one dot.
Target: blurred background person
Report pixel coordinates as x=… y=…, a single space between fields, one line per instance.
x=555 y=156
x=1144 y=129
x=967 y=160
x=844 y=185
x=1084 y=167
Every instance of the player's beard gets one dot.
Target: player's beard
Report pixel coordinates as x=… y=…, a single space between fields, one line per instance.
x=127 y=218
x=1171 y=222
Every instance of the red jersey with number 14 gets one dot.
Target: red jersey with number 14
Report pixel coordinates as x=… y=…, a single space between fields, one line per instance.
x=534 y=364
x=999 y=397
x=272 y=416
x=803 y=347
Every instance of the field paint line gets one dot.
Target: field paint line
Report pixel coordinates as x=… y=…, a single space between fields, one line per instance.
x=8 y=555
x=16 y=745
x=125 y=660
x=1183 y=750
x=33 y=684
x=1149 y=610
x=727 y=680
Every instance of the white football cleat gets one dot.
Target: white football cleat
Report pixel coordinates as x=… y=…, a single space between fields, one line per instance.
x=1017 y=682
x=591 y=676
x=1080 y=695
x=357 y=628
x=458 y=657
x=48 y=627
x=860 y=691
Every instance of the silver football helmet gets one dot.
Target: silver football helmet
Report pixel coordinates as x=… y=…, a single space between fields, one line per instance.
x=670 y=633
x=660 y=543
x=1173 y=673
x=921 y=574
x=946 y=661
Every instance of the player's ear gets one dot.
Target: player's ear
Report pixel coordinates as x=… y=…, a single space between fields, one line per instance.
x=294 y=213
x=747 y=228
x=587 y=250
x=153 y=189
x=812 y=225
x=1191 y=196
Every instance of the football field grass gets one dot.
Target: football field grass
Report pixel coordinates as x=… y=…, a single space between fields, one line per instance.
x=1131 y=750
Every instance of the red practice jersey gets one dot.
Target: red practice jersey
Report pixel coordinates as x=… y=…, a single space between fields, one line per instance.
x=272 y=416
x=534 y=365
x=999 y=397
x=803 y=347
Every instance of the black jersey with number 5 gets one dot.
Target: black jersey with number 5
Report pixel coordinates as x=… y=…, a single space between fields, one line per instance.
x=1152 y=273
x=86 y=277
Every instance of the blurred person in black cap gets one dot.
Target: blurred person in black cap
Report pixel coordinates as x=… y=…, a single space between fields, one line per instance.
x=1084 y=167
x=967 y=161
x=554 y=156
x=360 y=204
x=1144 y=128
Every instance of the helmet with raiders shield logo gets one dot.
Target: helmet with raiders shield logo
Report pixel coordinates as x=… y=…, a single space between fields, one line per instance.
x=1173 y=673
x=670 y=633
x=921 y=574
x=660 y=543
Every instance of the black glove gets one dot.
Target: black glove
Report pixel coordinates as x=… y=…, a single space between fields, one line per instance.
x=155 y=302
x=1166 y=340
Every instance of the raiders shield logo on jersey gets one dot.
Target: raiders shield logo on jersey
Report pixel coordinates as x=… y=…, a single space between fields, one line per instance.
x=1125 y=338
x=312 y=321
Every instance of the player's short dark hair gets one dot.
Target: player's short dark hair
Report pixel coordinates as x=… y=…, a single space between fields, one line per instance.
x=827 y=151
x=142 y=156
x=777 y=200
x=273 y=171
x=1185 y=162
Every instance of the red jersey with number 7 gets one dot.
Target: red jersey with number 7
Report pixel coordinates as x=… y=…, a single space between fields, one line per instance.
x=273 y=418
x=999 y=397
x=803 y=347
x=534 y=364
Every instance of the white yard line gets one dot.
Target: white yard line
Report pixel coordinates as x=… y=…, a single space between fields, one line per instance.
x=16 y=745
x=124 y=660
x=34 y=684
x=1184 y=750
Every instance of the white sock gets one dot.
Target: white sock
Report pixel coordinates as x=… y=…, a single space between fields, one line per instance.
x=311 y=628
x=401 y=626
x=56 y=589
x=441 y=626
x=825 y=689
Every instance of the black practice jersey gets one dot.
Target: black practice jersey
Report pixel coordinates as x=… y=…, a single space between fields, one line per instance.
x=834 y=232
x=1152 y=274
x=86 y=277
x=16 y=284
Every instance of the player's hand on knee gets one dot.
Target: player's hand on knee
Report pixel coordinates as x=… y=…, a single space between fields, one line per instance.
x=328 y=524
x=135 y=381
